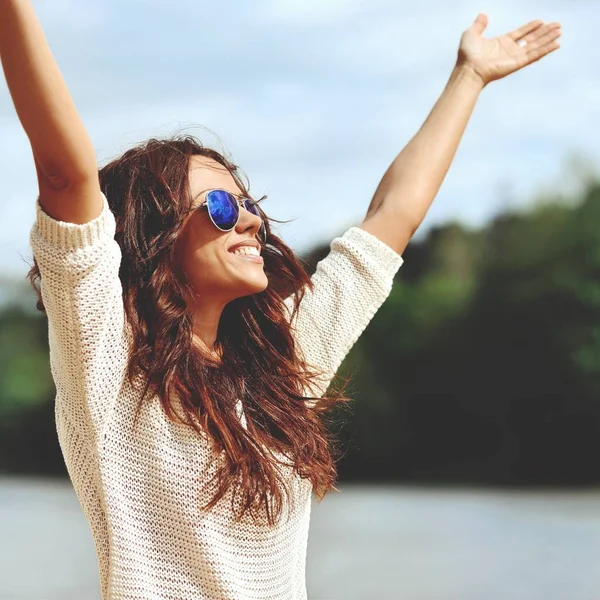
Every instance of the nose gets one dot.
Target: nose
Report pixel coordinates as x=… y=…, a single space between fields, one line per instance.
x=248 y=221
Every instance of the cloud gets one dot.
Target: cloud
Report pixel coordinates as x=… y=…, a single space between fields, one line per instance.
x=313 y=99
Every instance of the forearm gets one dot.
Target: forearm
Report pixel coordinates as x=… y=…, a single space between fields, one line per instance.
x=412 y=181
x=60 y=143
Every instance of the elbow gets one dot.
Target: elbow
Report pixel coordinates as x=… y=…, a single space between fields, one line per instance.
x=61 y=177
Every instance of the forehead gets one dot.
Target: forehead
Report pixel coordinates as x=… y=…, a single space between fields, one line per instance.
x=207 y=174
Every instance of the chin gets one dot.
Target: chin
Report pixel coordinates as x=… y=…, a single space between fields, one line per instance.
x=256 y=286
x=261 y=286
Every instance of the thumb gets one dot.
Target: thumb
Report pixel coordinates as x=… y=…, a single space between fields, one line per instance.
x=480 y=23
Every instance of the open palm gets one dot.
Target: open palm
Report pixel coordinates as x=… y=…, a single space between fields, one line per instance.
x=495 y=58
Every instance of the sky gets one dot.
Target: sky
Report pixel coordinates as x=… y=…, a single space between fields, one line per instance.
x=314 y=99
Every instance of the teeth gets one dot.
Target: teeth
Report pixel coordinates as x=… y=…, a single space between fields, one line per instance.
x=247 y=250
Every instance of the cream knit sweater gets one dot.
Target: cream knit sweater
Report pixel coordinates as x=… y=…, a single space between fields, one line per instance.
x=138 y=487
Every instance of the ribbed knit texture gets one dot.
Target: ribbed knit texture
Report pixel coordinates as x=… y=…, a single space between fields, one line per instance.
x=139 y=488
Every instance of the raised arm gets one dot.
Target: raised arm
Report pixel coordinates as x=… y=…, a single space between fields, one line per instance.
x=64 y=156
x=72 y=241
x=409 y=186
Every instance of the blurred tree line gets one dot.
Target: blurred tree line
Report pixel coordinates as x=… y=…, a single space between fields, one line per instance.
x=483 y=365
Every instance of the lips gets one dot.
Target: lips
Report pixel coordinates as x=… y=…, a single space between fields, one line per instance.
x=251 y=258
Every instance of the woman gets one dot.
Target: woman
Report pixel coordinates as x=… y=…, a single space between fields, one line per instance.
x=191 y=352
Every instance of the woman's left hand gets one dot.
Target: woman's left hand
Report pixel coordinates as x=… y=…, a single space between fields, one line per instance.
x=502 y=55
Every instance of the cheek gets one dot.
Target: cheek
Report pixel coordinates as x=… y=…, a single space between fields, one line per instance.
x=202 y=266
x=209 y=267
x=198 y=254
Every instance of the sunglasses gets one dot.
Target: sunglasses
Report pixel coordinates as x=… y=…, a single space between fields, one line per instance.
x=224 y=210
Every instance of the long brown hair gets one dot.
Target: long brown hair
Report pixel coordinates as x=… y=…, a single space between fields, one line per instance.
x=148 y=192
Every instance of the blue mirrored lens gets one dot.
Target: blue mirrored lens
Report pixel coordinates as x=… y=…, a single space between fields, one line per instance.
x=223 y=208
x=251 y=206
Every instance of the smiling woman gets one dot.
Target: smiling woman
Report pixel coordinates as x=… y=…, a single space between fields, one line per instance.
x=192 y=354
x=185 y=313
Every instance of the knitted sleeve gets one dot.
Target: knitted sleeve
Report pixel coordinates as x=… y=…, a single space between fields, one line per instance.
x=82 y=294
x=350 y=284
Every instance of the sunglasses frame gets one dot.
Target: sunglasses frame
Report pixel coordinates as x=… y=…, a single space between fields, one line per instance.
x=262 y=230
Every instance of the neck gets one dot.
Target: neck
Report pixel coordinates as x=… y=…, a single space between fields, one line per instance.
x=206 y=319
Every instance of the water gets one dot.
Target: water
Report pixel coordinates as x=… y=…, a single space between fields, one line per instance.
x=365 y=543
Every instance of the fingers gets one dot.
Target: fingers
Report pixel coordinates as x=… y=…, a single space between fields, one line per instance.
x=552 y=32
x=543 y=45
x=523 y=31
x=540 y=33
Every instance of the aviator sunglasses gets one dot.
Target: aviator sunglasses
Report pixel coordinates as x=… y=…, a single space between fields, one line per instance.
x=224 y=210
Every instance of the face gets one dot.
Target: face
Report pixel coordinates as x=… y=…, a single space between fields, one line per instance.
x=205 y=252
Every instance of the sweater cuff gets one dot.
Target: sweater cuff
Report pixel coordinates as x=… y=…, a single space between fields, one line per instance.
x=74 y=236
x=386 y=257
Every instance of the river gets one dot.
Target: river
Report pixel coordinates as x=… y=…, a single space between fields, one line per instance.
x=365 y=542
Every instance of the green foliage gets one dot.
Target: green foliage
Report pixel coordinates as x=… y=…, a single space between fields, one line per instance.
x=488 y=355
x=482 y=366
x=28 y=442
x=25 y=377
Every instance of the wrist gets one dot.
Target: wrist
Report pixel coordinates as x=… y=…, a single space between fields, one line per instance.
x=464 y=72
